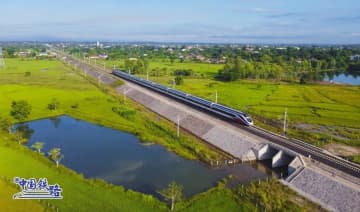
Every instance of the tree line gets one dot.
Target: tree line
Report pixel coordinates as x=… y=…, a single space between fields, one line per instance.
x=290 y=65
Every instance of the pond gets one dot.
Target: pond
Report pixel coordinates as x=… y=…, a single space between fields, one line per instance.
x=121 y=159
x=337 y=77
x=343 y=78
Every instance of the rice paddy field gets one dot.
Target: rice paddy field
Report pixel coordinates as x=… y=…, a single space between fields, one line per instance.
x=318 y=113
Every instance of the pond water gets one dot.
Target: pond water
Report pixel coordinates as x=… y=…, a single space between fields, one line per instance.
x=343 y=78
x=121 y=159
x=337 y=77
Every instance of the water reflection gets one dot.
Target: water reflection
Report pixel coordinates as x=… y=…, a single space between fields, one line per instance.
x=120 y=158
x=55 y=121
x=22 y=132
x=352 y=78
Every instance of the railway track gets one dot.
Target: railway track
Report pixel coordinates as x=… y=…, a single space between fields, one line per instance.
x=308 y=150
x=295 y=145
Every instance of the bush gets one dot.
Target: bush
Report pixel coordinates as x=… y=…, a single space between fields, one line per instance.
x=183 y=72
x=125 y=113
x=54 y=104
x=179 y=80
x=20 y=110
x=75 y=106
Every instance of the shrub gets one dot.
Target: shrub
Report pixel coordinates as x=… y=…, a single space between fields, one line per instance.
x=54 y=104
x=179 y=80
x=75 y=106
x=124 y=112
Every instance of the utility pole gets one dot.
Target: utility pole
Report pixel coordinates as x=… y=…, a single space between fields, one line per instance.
x=178 y=126
x=147 y=75
x=285 y=114
x=124 y=95
x=129 y=71
x=99 y=78
x=216 y=96
x=173 y=85
x=2 y=61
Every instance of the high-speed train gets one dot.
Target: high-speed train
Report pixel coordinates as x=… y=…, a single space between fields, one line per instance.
x=237 y=116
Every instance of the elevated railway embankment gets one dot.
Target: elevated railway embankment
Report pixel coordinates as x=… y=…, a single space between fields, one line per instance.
x=331 y=181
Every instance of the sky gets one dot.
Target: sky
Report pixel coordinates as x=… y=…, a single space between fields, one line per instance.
x=218 y=21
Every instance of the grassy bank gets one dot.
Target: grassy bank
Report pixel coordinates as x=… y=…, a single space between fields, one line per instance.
x=83 y=100
x=79 y=194
x=92 y=195
x=257 y=196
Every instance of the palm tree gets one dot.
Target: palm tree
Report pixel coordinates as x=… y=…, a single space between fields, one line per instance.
x=38 y=146
x=173 y=193
x=55 y=155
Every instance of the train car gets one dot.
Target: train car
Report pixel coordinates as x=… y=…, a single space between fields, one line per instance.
x=199 y=100
x=161 y=87
x=177 y=93
x=236 y=115
x=243 y=119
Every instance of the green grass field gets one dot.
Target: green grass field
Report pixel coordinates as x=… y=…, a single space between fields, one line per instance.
x=8 y=204
x=88 y=195
x=329 y=113
x=51 y=79
x=198 y=68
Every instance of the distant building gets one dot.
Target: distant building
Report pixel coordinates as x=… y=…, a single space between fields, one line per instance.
x=100 y=56
x=23 y=53
x=354 y=57
x=103 y=56
x=43 y=54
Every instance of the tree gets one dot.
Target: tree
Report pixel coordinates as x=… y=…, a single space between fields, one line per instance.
x=173 y=193
x=6 y=125
x=302 y=79
x=172 y=58
x=20 y=136
x=179 y=80
x=22 y=133
x=56 y=156
x=54 y=104
x=231 y=70
x=20 y=110
x=146 y=64
x=38 y=146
